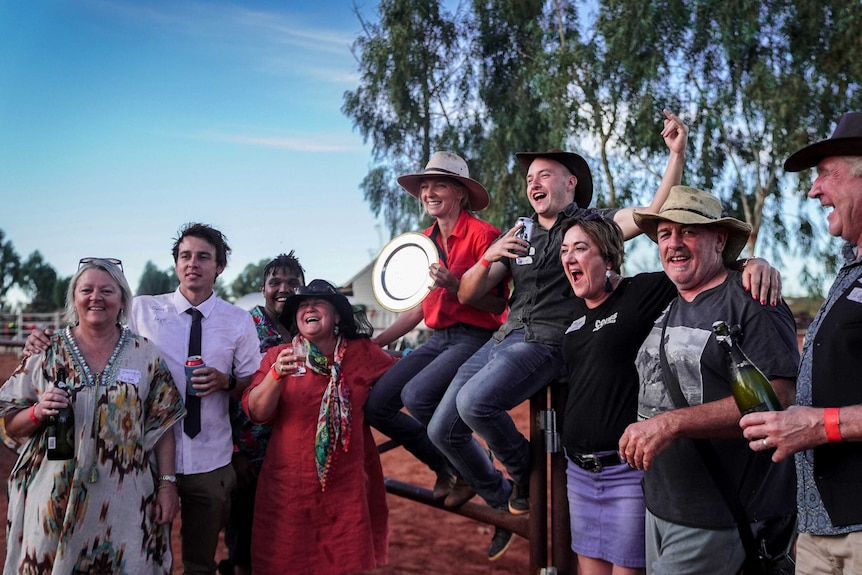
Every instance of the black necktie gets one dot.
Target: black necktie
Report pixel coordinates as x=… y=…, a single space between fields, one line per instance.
x=192 y=424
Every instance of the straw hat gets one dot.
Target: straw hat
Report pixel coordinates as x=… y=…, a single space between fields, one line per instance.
x=846 y=140
x=452 y=166
x=574 y=163
x=690 y=206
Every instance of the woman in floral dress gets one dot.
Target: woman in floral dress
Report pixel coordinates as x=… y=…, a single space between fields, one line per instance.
x=109 y=508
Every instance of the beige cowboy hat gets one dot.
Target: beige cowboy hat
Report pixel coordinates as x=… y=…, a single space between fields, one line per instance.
x=452 y=166
x=690 y=206
x=846 y=140
x=574 y=163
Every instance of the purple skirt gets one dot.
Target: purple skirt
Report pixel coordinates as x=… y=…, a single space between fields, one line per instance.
x=607 y=514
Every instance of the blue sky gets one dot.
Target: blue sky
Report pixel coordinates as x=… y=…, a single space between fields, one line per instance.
x=121 y=120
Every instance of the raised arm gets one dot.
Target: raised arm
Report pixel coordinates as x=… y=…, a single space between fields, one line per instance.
x=675 y=135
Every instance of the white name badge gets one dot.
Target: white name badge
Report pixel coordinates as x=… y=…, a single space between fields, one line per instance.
x=577 y=324
x=129 y=376
x=855 y=295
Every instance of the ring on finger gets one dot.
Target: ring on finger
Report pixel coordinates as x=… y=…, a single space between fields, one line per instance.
x=765 y=444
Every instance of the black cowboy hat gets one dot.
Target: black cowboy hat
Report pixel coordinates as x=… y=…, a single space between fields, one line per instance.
x=319 y=289
x=846 y=140
x=575 y=164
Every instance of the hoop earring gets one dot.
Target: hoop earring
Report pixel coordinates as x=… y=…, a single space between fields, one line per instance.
x=609 y=287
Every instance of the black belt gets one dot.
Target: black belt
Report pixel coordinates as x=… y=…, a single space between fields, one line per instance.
x=594 y=463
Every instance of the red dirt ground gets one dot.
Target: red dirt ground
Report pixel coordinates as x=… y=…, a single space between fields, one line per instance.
x=422 y=539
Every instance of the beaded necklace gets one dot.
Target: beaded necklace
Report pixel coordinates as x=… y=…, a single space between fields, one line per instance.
x=89 y=379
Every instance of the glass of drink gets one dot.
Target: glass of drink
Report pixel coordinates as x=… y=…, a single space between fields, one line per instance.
x=300 y=350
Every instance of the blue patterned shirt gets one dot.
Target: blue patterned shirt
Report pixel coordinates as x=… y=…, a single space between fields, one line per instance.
x=812 y=514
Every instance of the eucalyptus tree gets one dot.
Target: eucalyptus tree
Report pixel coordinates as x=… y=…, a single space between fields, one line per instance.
x=10 y=266
x=407 y=102
x=509 y=115
x=756 y=80
x=249 y=280
x=154 y=281
x=38 y=279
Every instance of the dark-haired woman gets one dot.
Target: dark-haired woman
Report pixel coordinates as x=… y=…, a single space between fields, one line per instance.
x=321 y=503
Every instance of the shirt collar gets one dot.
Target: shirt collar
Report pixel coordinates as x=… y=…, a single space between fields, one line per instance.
x=181 y=304
x=850 y=253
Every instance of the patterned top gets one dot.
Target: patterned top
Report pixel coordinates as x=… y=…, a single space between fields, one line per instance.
x=813 y=517
x=250 y=439
x=93 y=513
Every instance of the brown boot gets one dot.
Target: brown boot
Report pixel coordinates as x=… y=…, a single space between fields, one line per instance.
x=461 y=494
x=444 y=484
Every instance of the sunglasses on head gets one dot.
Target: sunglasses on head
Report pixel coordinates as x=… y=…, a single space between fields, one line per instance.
x=593 y=214
x=111 y=261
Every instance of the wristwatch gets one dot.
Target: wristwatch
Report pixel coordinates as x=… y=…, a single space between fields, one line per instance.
x=168 y=478
x=231 y=383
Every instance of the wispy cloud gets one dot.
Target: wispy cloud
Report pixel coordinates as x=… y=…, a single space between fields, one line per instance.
x=274 y=41
x=319 y=143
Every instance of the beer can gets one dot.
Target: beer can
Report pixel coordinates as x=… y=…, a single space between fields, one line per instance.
x=526 y=234
x=193 y=362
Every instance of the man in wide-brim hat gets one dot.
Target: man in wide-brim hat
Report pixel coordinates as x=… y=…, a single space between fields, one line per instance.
x=574 y=163
x=689 y=206
x=825 y=425
x=524 y=354
x=688 y=524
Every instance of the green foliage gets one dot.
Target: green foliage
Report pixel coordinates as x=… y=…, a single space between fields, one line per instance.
x=154 y=282
x=410 y=65
x=249 y=280
x=58 y=295
x=10 y=267
x=754 y=79
x=38 y=280
x=220 y=289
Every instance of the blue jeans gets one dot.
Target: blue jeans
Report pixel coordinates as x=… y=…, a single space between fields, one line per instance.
x=426 y=372
x=497 y=378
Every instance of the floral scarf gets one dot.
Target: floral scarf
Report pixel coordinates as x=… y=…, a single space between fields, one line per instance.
x=333 y=420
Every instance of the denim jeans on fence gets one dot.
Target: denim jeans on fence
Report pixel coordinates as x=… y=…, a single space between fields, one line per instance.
x=497 y=378
x=427 y=370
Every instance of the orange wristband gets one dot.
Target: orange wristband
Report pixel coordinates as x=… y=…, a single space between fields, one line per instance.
x=832 y=424
x=275 y=374
x=33 y=417
x=485 y=263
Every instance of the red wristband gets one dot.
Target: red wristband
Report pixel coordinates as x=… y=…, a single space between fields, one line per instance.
x=485 y=263
x=275 y=374
x=33 y=417
x=832 y=424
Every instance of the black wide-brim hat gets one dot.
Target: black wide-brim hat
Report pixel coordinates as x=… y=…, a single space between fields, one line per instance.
x=318 y=289
x=846 y=140
x=574 y=163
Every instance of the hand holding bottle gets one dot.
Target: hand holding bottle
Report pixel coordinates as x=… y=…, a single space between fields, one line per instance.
x=750 y=388
x=60 y=431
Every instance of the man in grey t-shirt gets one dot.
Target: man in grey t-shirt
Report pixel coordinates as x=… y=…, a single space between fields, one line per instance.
x=689 y=528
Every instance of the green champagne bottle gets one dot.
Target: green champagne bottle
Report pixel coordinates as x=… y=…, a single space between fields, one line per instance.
x=60 y=430
x=750 y=388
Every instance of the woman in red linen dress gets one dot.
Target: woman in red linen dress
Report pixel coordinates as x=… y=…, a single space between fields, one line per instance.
x=321 y=503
